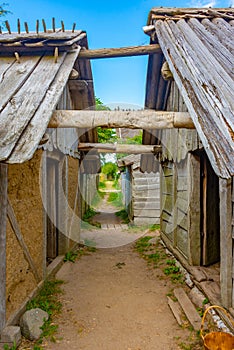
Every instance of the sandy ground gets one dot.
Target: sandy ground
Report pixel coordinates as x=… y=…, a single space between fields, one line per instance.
x=114 y=301
x=106 y=307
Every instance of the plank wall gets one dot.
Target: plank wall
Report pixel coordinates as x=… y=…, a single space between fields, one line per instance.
x=146 y=198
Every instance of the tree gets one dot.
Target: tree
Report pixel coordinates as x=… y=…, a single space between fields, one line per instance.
x=110 y=170
x=104 y=135
x=3 y=11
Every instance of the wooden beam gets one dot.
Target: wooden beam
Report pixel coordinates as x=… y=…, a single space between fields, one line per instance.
x=3 y=223
x=141 y=119
x=120 y=148
x=226 y=241
x=120 y=52
x=16 y=229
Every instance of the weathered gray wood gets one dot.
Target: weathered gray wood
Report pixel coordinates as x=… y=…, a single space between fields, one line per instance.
x=188 y=307
x=176 y=310
x=120 y=52
x=19 y=111
x=194 y=237
x=16 y=229
x=13 y=76
x=3 y=223
x=226 y=242
x=155 y=204
x=213 y=124
x=141 y=119
x=149 y=213
x=119 y=148
x=48 y=101
x=59 y=35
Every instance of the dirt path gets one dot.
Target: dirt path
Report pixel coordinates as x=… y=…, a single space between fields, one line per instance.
x=114 y=301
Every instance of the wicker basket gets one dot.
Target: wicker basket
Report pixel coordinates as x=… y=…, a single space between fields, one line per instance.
x=216 y=340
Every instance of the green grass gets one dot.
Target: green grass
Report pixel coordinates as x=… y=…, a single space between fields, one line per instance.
x=123 y=215
x=47 y=300
x=116 y=199
x=88 y=222
x=70 y=256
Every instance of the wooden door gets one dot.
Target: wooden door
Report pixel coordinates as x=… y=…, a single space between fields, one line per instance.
x=210 y=220
x=52 y=209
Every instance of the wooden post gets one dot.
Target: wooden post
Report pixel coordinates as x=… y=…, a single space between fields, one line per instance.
x=194 y=237
x=225 y=192
x=3 y=223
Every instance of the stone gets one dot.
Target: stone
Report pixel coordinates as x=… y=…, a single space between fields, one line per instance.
x=31 y=323
x=197 y=297
x=11 y=335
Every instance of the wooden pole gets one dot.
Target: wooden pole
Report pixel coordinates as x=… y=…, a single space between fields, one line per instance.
x=120 y=148
x=120 y=52
x=142 y=119
x=226 y=242
x=3 y=223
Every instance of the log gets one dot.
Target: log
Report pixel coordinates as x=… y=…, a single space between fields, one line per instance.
x=120 y=52
x=119 y=148
x=3 y=223
x=140 y=119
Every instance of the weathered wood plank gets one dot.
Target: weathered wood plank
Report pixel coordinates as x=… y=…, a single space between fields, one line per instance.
x=16 y=229
x=3 y=223
x=146 y=187
x=213 y=103
x=146 y=221
x=32 y=135
x=194 y=237
x=226 y=242
x=176 y=310
x=141 y=119
x=155 y=213
x=68 y=34
x=188 y=307
x=20 y=110
x=13 y=75
x=120 y=52
x=146 y=205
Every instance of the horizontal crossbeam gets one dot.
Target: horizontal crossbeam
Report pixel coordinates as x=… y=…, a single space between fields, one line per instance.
x=140 y=119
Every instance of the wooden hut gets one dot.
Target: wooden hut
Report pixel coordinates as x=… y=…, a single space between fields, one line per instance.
x=194 y=73
x=40 y=169
x=141 y=191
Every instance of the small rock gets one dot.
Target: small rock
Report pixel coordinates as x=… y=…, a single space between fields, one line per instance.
x=31 y=323
x=197 y=297
x=153 y=240
x=11 y=335
x=188 y=280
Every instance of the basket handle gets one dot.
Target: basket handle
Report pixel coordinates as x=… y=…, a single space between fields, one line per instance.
x=205 y=313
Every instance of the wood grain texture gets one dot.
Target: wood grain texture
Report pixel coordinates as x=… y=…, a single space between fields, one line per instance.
x=141 y=119
x=3 y=222
x=226 y=242
x=120 y=52
x=39 y=111
x=210 y=101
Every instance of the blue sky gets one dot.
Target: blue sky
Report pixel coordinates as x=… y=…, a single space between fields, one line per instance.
x=108 y=24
